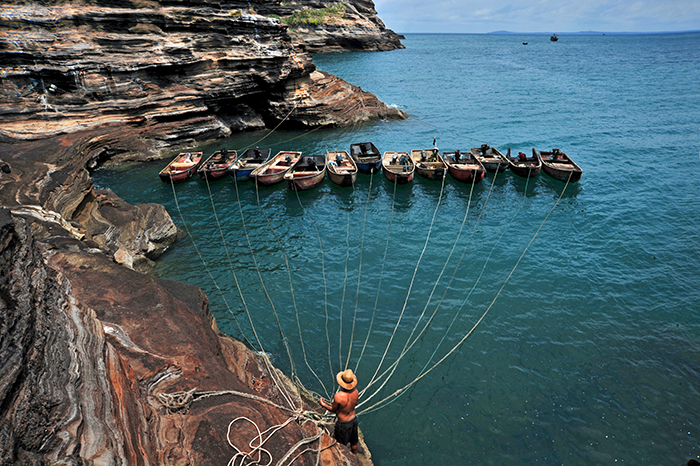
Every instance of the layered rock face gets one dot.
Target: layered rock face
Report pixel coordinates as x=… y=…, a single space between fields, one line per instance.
x=169 y=73
x=103 y=365
x=100 y=364
x=334 y=26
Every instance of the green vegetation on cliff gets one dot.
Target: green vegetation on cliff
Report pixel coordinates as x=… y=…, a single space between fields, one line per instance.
x=321 y=16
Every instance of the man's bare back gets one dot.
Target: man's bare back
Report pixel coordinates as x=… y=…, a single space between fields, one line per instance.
x=344 y=403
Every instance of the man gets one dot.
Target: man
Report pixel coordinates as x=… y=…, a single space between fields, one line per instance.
x=344 y=403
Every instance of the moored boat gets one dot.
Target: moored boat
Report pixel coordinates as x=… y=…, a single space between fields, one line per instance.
x=491 y=158
x=464 y=167
x=217 y=165
x=307 y=173
x=181 y=167
x=398 y=167
x=366 y=156
x=525 y=166
x=248 y=161
x=429 y=163
x=273 y=171
x=341 y=168
x=558 y=165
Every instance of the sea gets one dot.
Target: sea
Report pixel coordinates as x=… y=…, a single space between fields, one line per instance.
x=510 y=322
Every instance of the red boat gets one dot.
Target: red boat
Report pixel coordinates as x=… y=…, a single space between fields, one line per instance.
x=307 y=173
x=273 y=171
x=217 y=165
x=181 y=167
x=464 y=167
x=559 y=166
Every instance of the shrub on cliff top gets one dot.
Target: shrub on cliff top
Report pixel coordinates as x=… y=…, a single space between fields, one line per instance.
x=321 y=16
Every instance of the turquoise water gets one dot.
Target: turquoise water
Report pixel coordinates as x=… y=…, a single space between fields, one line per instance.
x=589 y=355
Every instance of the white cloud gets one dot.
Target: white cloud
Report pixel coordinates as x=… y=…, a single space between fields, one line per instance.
x=542 y=16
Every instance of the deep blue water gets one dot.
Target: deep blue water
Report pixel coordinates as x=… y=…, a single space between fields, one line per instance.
x=589 y=355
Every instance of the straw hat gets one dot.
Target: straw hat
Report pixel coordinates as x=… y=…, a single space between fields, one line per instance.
x=346 y=379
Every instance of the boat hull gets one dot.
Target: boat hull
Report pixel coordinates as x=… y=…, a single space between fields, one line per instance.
x=342 y=169
x=528 y=168
x=563 y=169
x=272 y=172
x=367 y=157
x=429 y=164
x=246 y=163
x=178 y=171
x=467 y=175
x=304 y=183
x=398 y=167
x=217 y=165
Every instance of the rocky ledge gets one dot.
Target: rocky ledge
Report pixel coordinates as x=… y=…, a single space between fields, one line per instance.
x=165 y=74
x=100 y=364
x=342 y=26
x=103 y=365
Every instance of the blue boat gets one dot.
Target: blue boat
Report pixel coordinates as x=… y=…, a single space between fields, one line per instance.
x=366 y=156
x=247 y=162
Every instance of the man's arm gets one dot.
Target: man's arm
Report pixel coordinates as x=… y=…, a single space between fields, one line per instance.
x=330 y=407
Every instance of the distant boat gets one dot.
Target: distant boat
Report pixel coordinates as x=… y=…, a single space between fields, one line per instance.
x=247 y=162
x=341 y=168
x=554 y=38
x=273 y=171
x=181 y=167
x=464 y=167
x=217 y=165
x=366 y=156
x=307 y=173
x=524 y=43
x=524 y=166
x=559 y=166
x=429 y=163
x=398 y=167
x=490 y=157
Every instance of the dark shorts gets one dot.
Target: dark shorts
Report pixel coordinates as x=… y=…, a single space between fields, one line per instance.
x=346 y=432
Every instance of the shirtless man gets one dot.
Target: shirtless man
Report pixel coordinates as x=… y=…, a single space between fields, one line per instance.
x=344 y=403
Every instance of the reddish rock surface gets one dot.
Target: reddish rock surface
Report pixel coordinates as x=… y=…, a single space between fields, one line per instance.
x=92 y=353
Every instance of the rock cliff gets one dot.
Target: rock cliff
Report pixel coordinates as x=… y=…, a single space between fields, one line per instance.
x=100 y=364
x=103 y=365
x=167 y=73
x=334 y=26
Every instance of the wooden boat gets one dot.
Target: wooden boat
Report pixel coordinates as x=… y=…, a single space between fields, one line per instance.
x=342 y=169
x=217 y=165
x=366 y=156
x=398 y=167
x=429 y=163
x=524 y=166
x=491 y=158
x=273 y=171
x=307 y=173
x=464 y=167
x=181 y=167
x=247 y=162
x=559 y=166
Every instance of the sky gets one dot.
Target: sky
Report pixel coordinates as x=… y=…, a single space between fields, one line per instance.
x=560 y=16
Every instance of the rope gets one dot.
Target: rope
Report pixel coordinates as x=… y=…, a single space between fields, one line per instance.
x=381 y=276
x=325 y=292
x=359 y=272
x=206 y=267
x=403 y=351
x=447 y=288
x=378 y=404
x=410 y=287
